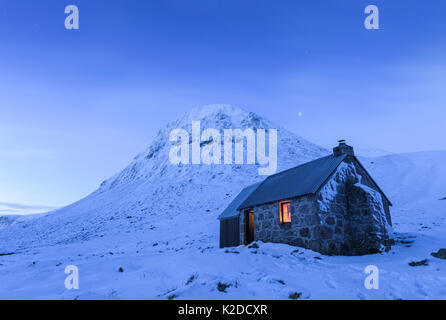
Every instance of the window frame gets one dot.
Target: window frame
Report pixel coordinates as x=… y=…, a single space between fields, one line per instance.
x=281 y=203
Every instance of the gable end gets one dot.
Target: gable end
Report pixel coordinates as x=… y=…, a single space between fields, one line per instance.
x=357 y=162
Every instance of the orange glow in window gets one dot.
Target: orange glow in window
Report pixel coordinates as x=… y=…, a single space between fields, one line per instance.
x=285 y=212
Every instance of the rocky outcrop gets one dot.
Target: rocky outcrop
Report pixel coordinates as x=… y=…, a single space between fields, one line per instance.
x=440 y=254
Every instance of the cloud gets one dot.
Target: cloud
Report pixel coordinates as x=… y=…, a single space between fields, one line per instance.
x=22 y=209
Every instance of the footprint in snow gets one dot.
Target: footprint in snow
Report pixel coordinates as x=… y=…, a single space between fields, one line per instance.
x=330 y=284
x=422 y=292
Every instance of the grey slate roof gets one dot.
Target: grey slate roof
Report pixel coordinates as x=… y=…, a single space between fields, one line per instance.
x=298 y=181
x=231 y=210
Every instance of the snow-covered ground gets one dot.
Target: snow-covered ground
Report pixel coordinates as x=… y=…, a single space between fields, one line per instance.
x=158 y=222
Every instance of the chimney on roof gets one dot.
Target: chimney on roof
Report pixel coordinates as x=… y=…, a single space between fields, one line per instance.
x=343 y=148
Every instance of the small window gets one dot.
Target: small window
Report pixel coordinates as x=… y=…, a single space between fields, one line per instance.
x=285 y=212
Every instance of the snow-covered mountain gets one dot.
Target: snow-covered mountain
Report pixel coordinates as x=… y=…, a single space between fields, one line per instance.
x=158 y=222
x=153 y=194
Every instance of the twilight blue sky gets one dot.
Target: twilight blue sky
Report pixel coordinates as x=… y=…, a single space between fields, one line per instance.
x=76 y=106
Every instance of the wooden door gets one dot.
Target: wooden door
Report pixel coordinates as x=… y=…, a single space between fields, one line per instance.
x=249 y=233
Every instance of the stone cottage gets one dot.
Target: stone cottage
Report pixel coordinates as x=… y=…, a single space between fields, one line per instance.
x=331 y=205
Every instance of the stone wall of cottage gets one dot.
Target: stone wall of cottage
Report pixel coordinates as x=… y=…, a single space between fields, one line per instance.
x=365 y=180
x=347 y=217
x=268 y=228
x=369 y=223
x=361 y=214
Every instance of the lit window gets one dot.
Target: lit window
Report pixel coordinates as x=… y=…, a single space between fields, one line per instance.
x=285 y=212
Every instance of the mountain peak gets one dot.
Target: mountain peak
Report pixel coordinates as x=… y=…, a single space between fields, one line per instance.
x=220 y=116
x=207 y=111
x=154 y=161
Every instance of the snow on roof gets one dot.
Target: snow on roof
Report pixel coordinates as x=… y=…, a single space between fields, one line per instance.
x=298 y=181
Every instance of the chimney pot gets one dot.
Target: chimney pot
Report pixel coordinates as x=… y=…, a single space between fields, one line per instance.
x=342 y=149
